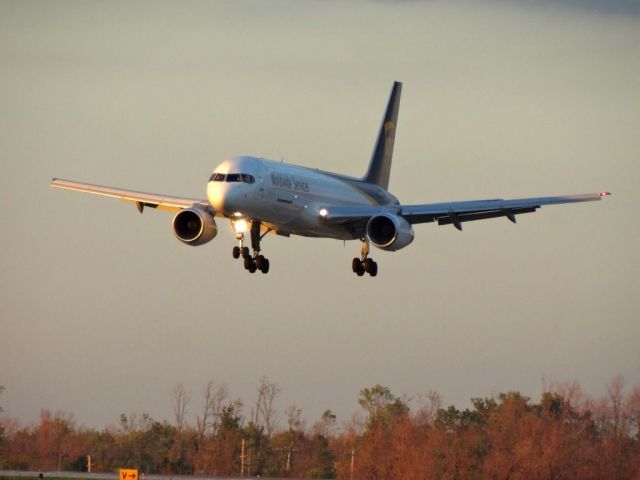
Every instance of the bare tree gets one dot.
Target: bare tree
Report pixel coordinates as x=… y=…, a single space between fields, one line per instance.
x=614 y=390
x=428 y=406
x=135 y=422
x=571 y=392
x=180 y=399
x=294 y=418
x=632 y=408
x=618 y=420
x=265 y=413
x=214 y=396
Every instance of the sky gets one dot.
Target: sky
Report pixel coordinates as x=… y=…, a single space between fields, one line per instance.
x=103 y=311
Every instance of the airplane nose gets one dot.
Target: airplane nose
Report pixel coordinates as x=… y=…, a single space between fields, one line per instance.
x=232 y=200
x=217 y=193
x=225 y=198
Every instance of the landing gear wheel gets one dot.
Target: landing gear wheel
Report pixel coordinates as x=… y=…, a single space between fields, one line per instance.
x=355 y=264
x=236 y=252
x=262 y=263
x=252 y=267
x=364 y=264
x=245 y=252
x=368 y=262
x=248 y=262
x=373 y=269
x=264 y=268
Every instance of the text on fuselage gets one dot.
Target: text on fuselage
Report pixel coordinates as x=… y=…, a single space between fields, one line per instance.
x=289 y=182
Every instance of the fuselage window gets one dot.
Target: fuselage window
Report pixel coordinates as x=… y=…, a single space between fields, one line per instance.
x=217 y=177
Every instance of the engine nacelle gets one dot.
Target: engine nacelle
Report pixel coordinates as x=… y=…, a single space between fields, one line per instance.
x=389 y=232
x=194 y=226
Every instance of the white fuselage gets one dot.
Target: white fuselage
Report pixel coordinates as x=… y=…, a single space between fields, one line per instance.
x=286 y=198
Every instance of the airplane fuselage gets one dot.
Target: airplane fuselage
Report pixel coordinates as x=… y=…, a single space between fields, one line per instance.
x=287 y=198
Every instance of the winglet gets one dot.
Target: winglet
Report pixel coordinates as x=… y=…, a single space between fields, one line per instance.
x=380 y=164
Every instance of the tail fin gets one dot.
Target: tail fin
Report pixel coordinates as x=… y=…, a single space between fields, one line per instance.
x=380 y=165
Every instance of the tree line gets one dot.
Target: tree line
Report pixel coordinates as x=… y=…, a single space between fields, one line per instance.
x=564 y=435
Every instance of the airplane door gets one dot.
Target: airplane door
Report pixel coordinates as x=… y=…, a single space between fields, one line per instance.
x=261 y=180
x=261 y=186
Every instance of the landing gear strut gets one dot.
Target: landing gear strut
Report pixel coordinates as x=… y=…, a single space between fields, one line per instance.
x=364 y=263
x=256 y=261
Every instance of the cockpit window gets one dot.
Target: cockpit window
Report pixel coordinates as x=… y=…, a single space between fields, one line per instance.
x=232 y=177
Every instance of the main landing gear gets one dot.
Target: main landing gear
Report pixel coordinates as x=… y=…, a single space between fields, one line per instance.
x=256 y=261
x=364 y=264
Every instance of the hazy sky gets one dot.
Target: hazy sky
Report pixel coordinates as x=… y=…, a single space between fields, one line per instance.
x=102 y=310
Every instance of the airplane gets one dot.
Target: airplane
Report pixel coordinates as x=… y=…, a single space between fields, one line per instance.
x=260 y=196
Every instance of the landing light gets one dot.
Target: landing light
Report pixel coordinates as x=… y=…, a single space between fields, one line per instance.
x=323 y=212
x=240 y=226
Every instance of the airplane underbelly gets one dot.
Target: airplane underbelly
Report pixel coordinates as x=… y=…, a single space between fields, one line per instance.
x=299 y=216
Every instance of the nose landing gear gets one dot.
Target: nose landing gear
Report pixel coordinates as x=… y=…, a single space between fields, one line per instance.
x=254 y=262
x=364 y=264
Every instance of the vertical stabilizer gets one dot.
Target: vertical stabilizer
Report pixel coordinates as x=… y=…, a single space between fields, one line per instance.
x=380 y=165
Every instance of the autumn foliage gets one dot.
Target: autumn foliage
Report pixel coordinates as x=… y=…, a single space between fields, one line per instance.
x=564 y=435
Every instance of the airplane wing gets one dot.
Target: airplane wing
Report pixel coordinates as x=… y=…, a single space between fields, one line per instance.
x=139 y=199
x=452 y=212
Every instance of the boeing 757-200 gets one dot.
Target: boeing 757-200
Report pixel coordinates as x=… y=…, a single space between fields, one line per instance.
x=259 y=196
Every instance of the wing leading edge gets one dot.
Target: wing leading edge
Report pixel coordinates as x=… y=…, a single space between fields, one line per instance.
x=140 y=199
x=454 y=213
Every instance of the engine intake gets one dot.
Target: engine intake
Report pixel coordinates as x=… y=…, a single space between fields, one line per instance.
x=194 y=226
x=389 y=232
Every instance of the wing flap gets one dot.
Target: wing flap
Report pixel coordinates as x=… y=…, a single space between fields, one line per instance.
x=140 y=199
x=457 y=219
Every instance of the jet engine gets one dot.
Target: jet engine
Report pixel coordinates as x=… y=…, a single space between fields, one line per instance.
x=389 y=232
x=194 y=226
